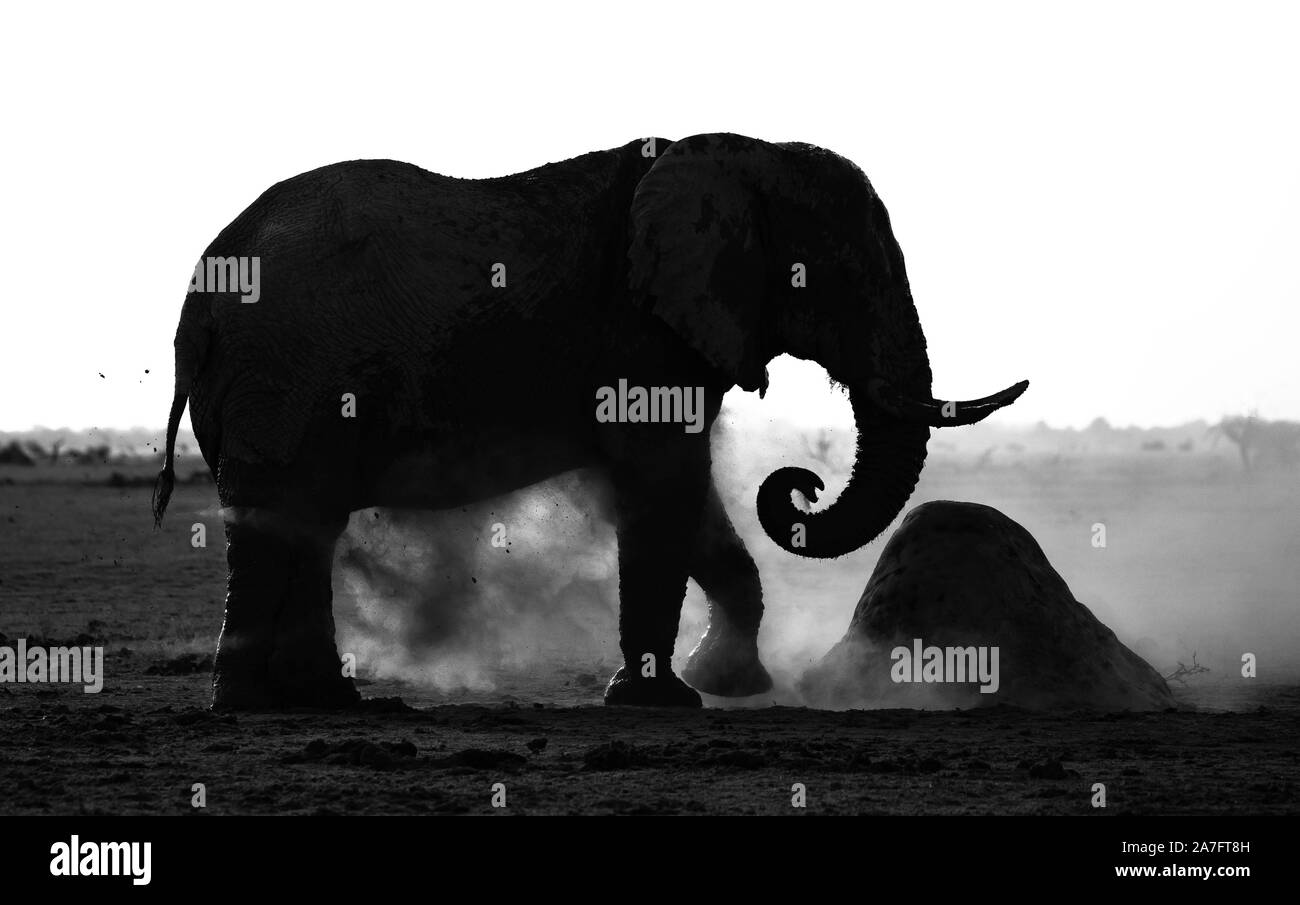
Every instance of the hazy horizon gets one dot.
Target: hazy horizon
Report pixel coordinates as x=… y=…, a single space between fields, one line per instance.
x=740 y=417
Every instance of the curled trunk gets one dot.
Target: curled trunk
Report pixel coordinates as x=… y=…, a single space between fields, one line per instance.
x=887 y=464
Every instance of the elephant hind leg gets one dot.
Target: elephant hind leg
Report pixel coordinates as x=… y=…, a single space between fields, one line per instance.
x=726 y=662
x=277 y=641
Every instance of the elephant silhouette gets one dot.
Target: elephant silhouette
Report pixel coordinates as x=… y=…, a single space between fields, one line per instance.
x=373 y=334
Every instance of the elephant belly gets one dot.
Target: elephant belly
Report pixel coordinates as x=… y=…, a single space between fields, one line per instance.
x=461 y=470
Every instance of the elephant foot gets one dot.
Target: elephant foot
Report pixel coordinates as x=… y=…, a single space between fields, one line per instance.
x=726 y=665
x=232 y=694
x=250 y=682
x=629 y=689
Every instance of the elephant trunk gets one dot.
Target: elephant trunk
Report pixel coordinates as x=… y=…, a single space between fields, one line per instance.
x=893 y=428
x=890 y=453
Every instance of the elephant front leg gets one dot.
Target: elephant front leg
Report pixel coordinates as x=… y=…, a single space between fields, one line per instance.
x=657 y=519
x=726 y=662
x=277 y=641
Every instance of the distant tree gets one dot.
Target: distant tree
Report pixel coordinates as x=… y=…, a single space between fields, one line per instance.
x=821 y=448
x=14 y=454
x=1180 y=674
x=93 y=455
x=1260 y=442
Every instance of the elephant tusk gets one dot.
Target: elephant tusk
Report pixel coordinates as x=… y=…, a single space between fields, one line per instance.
x=937 y=412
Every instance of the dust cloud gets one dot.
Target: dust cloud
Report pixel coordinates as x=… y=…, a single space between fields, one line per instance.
x=1200 y=558
x=451 y=599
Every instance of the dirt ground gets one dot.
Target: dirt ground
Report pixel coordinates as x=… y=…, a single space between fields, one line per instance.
x=80 y=563
x=140 y=749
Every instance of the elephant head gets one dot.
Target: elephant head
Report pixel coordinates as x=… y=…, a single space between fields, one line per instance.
x=750 y=250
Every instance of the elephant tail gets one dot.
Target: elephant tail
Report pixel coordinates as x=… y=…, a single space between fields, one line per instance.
x=192 y=340
x=162 y=488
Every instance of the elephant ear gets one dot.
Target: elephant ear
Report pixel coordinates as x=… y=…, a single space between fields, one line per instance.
x=696 y=256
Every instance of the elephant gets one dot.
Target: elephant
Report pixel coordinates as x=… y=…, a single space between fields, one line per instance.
x=423 y=341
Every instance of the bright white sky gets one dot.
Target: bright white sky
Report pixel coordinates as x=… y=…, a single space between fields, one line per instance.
x=1104 y=198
